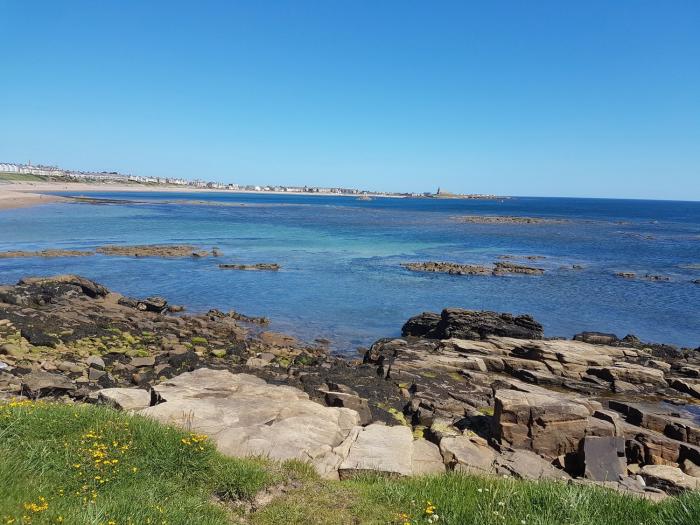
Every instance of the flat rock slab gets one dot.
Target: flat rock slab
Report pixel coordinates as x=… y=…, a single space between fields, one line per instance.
x=390 y=450
x=670 y=479
x=245 y=416
x=125 y=398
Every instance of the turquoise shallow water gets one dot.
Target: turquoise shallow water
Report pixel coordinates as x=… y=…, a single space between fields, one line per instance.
x=341 y=276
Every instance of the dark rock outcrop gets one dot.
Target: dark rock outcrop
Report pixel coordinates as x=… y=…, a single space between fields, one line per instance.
x=472 y=324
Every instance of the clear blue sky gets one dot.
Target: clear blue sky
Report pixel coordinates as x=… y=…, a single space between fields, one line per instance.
x=560 y=98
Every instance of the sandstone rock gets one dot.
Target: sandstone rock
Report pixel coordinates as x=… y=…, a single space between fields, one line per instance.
x=669 y=479
x=596 y=338
x=352 y=401
x=464 y=455
x=426 y=458
x=380 y=448
x=546 y=424
x=687 y=387
x=631 y=373
x=623 y=387
x=603 y=458
x=125 y=398
x=245 y=416
x=95 y=375
x=523 y=464
x=690 y=468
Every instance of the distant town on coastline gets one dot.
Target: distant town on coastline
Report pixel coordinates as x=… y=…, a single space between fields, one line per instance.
x=14 y=172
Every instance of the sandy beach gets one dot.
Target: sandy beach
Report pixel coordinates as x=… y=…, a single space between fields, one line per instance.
x=24 y=194
x=12 y=198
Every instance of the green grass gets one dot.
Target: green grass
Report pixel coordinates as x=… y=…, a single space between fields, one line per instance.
x=22 y=177
x=49 y=474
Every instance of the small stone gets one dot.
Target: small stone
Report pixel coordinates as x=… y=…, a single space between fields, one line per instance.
x=94 y=374
x=95 y=362
x=67 y=366
x=138 y=362
x=125 y=398
x=219 y=352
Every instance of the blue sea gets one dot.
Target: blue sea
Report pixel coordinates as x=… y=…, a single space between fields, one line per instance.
x=341 y=277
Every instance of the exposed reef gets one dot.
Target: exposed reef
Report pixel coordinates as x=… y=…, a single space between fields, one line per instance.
x=507 y=219
x=270 y=267
x=499 y=268
x=148 y=250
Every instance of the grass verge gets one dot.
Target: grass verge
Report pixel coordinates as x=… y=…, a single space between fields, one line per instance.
x=81 y=464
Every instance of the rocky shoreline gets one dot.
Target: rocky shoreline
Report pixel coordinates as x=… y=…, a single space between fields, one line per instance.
x=461 y=390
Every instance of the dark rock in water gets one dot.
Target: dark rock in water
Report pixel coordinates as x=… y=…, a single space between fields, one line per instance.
x=626 y=275
x=152 y=250
x=273 y=267
x=153 y=304
x=448 y=267
x=505 y=268
x=421 y=324
x=45 y=253
x=657 y=278
x=508 y=219
x=88 y=287
x=150 y=304
x=596 y=338
x=472 y=324
x=631 y=339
